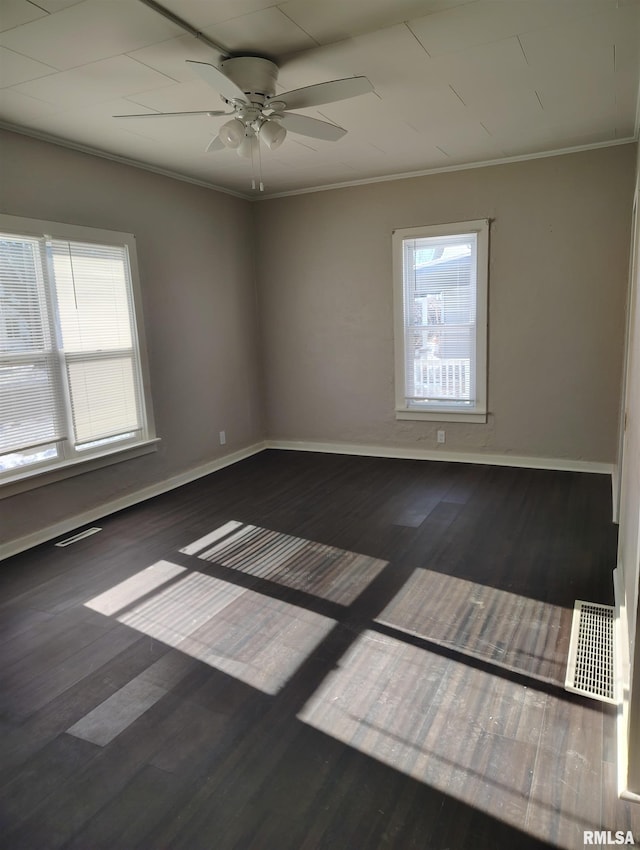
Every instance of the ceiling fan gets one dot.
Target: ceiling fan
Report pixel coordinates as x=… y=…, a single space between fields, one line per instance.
x=247 y=84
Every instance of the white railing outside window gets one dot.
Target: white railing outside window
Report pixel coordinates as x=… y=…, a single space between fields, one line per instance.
x=442 y=378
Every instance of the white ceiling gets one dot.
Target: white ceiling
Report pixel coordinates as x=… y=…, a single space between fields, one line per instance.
x=455 y=82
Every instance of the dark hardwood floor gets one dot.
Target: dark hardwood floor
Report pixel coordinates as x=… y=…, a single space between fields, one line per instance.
x=313 y=651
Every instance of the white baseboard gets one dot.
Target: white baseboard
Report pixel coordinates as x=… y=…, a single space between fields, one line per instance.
x=561 y=464
x=615 y=493
x=70 y=524
x=67 y=525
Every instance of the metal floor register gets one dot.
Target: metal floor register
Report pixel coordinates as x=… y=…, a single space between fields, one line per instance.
x=591 y=662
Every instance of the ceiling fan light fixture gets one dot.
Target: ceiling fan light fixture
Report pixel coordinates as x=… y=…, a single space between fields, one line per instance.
x=232 y=133
x=272 y=134
x=247 y=146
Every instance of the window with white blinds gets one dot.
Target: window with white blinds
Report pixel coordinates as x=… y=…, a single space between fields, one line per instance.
x=71 y=376
x=440 y=280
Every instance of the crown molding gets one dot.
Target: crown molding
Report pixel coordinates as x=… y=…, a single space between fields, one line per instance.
x=267 y=196
x=123 y=160
x=448 y=168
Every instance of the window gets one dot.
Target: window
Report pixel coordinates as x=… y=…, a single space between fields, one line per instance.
x=440 y=300
x=71 y=372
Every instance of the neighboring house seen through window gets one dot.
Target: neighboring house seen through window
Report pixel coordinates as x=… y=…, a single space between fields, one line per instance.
x=440 y=283
x=71 y=371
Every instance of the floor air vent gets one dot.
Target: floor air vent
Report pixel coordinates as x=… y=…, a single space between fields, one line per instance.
x=79 y=536
x=591 y=666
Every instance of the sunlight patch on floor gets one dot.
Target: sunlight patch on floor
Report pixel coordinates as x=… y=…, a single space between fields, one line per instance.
x=259 y=640
x=327 y=572
x=496 y=625
x=461 y=730
x=132 y=589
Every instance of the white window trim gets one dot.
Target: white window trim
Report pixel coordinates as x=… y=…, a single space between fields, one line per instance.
x=37 y=476
x=32 y=478
x=440 y=412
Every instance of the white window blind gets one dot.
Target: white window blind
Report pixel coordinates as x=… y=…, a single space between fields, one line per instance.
x=93 y=294
x=70 y=372
x=441 y=319
x=29 y=387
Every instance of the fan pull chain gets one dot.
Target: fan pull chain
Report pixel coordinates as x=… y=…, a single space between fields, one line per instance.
x=260 y=167
x=253 y=166
x=253 y=163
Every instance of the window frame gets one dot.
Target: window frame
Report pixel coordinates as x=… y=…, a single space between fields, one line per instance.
x=79 y=461
x=440 y=411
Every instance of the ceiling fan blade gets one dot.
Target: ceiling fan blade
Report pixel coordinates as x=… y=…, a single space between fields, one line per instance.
x=220 y=82
x=311 y=127
x=215 y=145
x=324 y=93
x=210 y=112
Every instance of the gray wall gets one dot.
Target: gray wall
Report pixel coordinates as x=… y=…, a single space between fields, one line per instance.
x=197 y=280
x=318 y=365
x=558 y=278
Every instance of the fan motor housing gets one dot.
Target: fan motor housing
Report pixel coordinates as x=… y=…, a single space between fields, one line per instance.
x=252 y=74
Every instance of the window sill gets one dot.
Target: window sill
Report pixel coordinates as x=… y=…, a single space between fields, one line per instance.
x=441 y=415
x=40 y=477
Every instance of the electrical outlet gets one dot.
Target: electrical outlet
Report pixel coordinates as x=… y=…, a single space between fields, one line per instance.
x=223 y=438
x=441 y=436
